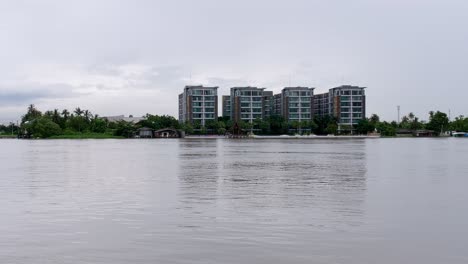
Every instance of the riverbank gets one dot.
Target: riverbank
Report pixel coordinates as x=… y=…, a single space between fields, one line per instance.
x=7 y=136
x=87 y=136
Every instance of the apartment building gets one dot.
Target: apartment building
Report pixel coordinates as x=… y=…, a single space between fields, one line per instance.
x=198 y=104
x=296 y=103
x=246 y=103
x=226 y=102
x=347 y=103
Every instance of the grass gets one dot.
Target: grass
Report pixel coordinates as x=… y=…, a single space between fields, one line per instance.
x=7 y=136
x=86 y=136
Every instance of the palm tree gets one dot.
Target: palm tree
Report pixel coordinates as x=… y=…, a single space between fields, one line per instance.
x=56 y=116
x=87 y=115
x=78 y=111
x=65 y=114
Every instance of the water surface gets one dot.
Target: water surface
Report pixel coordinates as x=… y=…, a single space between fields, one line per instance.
x=234 y=201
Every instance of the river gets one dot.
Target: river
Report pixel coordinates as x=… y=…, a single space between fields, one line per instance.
x=234 y=201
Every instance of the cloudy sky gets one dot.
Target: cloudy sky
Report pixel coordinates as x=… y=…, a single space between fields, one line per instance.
x=134 y=57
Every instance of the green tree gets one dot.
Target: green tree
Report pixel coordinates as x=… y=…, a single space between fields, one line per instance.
x=364 y=126
x=438 y=122
x=332 y=128
x=124 y=129
x=31 y=114
x=42 y=127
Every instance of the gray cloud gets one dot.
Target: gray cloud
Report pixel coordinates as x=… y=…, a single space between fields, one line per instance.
x=135 y=56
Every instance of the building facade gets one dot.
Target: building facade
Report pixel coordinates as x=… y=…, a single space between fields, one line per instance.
x=226 y=106
x=267 y=104
x=198 y=104
x=346 y=103
x=246 y=103
x=296 y=103
x=321 y=105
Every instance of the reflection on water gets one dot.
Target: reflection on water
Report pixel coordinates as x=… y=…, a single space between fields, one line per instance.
x=249 y=181
x=233 y=201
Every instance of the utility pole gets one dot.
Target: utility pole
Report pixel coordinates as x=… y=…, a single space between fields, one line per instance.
x=450 y=114
x=398 y=110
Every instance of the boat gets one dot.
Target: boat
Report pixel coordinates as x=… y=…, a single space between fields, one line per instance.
x=459 y=134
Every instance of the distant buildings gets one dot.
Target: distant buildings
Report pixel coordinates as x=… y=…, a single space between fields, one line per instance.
x=246 y=104
x=346 y=103
x=296 y=103
x=226 y=106
x=198 y=104
x=119 y=118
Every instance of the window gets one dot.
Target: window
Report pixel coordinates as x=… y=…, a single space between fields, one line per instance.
x=357 y=115
x=345 y=115
x=357 y=104
x=345 y=121
x=197 y=92
x=197 y=98
x=347 y=92
x=345 y=109
x=305 y=104
x=197 y=103
x=293 y=99
x=293 y=110
x=257 y=99
x=255 y=116
x=293 y=115
x=305 y=93
x=245 y=116
x=256 y=104
x=246 y=93
x=209 y=115
x=293 y=105
x=256 y=110
x=344 y=98
x=197 y=115
x=357 y=98
x=356 y=92
x=357 y=109
x=209 y=98
x=306 y=116
x=197 y=110
x=345 y=104
x=209 y=103
x=209 y=110
x=245 y=104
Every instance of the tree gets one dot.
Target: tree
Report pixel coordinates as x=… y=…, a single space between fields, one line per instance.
x=331 y=128
x=324 y=122
x=364 y=126
x=31 y=114
x=124 y=129
x=438 y=121
x=78 y=111
x=459 y=124
x=411 y=122
x=374 y=119
x=386 y=129
x=42 y=127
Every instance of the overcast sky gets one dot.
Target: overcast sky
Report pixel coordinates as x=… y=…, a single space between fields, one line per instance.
x=134 y=57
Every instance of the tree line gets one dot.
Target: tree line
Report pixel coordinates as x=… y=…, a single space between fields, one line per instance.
x=55 y=123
